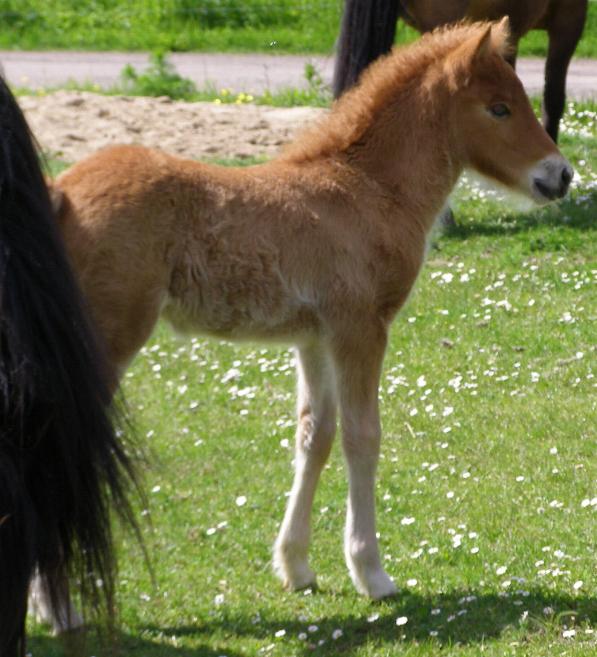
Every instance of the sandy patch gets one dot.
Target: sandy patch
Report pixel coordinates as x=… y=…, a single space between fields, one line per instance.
x=72 y=124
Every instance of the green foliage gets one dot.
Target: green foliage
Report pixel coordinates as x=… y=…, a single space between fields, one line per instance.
x=160 y=79
x=216 y=25
x=210 y=14
x=488 y=411
x=302 y=26
x=317 y=93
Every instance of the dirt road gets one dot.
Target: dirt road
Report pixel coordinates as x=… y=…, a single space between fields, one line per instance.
x=249 y=73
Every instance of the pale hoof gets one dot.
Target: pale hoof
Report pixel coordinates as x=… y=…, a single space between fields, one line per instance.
x=376 y=586
x=294 y=577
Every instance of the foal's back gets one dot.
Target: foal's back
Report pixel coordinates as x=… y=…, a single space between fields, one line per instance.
x=258 y=252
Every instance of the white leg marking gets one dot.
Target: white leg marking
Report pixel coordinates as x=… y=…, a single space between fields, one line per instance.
x=63 y=618
x=360 y=541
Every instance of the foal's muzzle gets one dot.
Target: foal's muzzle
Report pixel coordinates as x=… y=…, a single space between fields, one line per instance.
x=550 y=179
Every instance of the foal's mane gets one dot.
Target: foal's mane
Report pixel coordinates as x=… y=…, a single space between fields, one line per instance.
x=382 y=83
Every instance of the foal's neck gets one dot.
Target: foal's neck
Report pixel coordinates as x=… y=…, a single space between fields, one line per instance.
x=406 y=149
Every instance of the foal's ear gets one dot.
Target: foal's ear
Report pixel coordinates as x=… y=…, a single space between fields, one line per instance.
x=481 y=46
x=476 y=48
x=461 y=62
x=503 y=28
x=502 y=37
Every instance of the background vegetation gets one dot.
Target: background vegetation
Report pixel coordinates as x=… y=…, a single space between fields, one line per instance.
x=486 y=490
x=284 y=26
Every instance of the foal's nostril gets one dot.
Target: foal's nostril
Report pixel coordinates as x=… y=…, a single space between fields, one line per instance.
x=551 y=179
x=565 y=178
x=566 y=175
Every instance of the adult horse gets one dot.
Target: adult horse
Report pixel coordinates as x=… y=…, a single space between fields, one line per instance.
x=368 y=29
x=319 y=247
x=61 y=464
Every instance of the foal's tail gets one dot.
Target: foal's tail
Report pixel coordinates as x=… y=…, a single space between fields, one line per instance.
x=61 y=463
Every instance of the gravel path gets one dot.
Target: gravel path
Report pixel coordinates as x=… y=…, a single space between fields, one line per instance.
x=249 y=73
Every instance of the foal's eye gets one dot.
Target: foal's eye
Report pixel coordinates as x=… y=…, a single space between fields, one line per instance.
x=499 y=110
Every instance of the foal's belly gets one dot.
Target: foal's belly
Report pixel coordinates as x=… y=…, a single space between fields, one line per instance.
x=240 y=309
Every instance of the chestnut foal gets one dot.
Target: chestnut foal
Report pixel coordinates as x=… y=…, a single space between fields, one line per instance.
x=319 y=247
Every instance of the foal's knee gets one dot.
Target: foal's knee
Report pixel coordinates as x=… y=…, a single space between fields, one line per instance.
x=315 y=433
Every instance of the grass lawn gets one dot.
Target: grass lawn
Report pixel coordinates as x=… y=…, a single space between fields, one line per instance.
x=284 y=26
x=486 y=487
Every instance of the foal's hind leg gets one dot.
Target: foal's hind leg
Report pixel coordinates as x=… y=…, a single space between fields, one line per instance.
x=63 y=617
x=314 y=436
x=358 y=360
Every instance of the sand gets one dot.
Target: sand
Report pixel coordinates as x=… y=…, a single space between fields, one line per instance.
x=72 y=124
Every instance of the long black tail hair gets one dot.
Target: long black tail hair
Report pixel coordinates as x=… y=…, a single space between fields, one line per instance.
x=62 y=466
x=367 y=31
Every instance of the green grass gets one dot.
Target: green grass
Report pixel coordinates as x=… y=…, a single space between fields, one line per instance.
x=489 y=413
x=284 y=26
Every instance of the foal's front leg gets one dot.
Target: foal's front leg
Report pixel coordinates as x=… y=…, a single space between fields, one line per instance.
x=315 y=432
x=358 y=360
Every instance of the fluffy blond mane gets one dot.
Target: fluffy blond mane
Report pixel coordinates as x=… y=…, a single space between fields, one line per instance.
x=382 y=82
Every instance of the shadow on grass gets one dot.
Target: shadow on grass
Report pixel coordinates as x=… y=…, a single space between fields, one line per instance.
x=149 y=644
x=576 y=213
x=487 y=616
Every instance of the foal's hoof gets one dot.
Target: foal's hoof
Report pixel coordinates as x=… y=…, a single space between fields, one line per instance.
x=386 y=591
x=295 y=579
x=377 y=586
x=292 y=566
x=298 y=581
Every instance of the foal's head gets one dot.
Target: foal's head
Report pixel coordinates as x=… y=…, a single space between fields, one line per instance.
x=493 y=123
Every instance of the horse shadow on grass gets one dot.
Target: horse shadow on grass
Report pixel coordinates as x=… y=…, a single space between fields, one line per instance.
x=576 y=213
x=146 y=644
x=456 y=617
x=460 y=616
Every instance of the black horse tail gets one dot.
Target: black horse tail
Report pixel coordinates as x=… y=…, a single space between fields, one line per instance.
x=62 y=466
x=367 y=31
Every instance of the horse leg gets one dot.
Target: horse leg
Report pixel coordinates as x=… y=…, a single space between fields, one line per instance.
x=315 y=432
x=564 y=32
x=61 y=617
x=446 y=219
x=16 y=645
x=367 y=31
x=358 y=362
